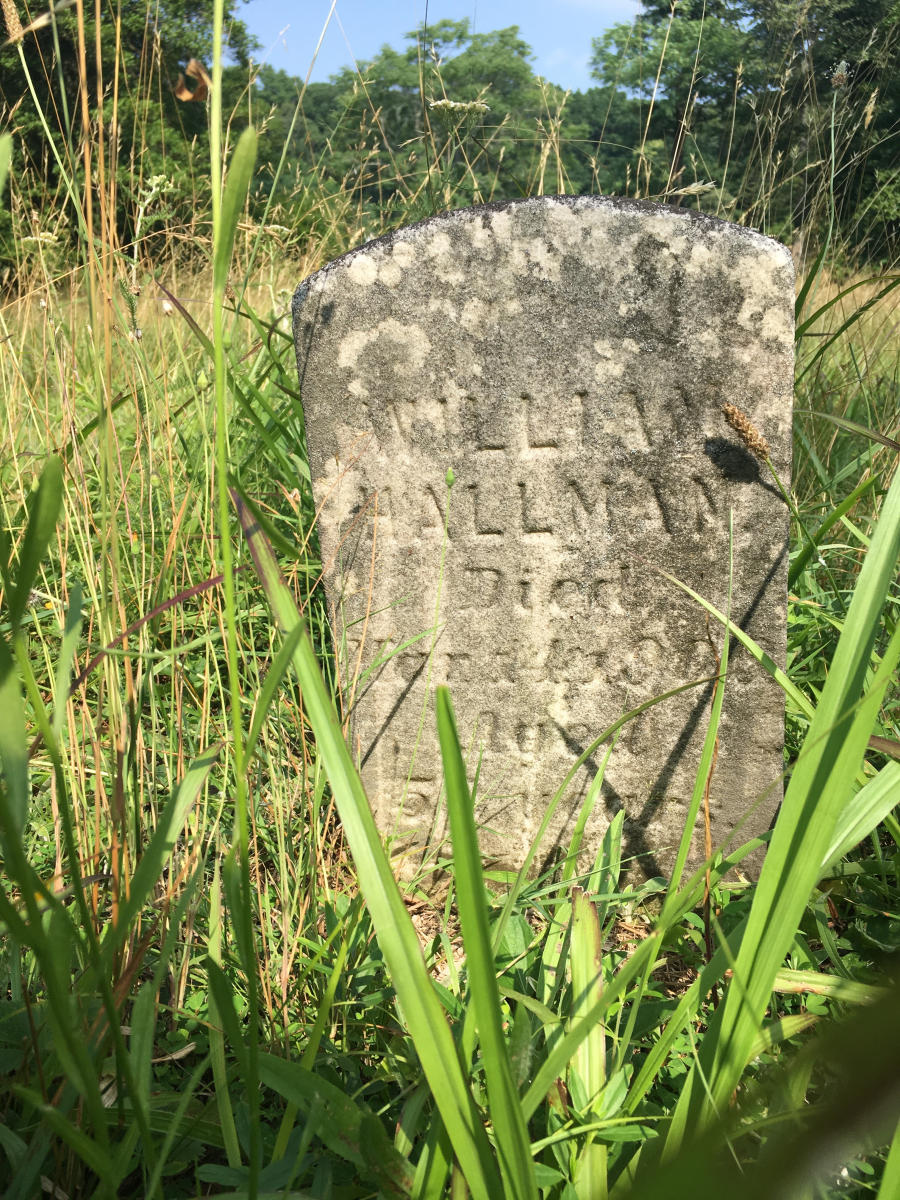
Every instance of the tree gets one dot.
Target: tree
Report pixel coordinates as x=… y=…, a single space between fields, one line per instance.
x=128 y=80
x=678 y=69
x=838 y=91
x=756 y=93
x=450 y=119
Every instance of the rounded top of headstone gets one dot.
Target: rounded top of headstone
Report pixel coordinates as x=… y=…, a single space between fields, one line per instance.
x=540 y=211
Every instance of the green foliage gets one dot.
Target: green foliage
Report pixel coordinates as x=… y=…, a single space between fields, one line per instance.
x=126 y=97
x=732 y=107
x=451 y=115
x=725 y=93
x=210 y=982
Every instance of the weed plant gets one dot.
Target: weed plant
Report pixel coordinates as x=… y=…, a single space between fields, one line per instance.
x=210 y=983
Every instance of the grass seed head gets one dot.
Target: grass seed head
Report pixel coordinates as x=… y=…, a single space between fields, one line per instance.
x=841 y=74
x=744 y=427
x=13 y=24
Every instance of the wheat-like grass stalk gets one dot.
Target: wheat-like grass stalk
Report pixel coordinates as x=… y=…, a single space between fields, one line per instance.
x=749 y=434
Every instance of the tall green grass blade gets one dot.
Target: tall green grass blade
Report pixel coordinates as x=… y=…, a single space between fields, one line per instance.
x=854 y=427
x=143 y=1022
x=226 y=208
x=343 y=1125
x=71 y=633
x=25 y=1183
x=43 y=512
x=97 y=1157
x=168 y=829
x=811 y=276
x=853 y=319
x=237 y=185
x=280 y=543
x=5 y=159
x=798 y=566
x=863 y=813
x=396 y=936
x=239 y=898
x=890 y=1180
x=609 y=859
x=781 y=1030
x=174 y=1127
x=824 y=477
x=220 y=1012
x=860 y=1108
x=589 y=1060
x=765 y=660
x=435 y=1164
x=221 y=994
x=510 y=1132
x=836 y=987
x=803 y=327
x=411 y=1120
x=15 y=796
x=13 y=1147
x=822 y=779
x=570 y=865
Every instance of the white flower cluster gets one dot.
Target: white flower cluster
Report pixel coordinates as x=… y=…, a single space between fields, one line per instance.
x=44 y=238
x=464 y=108
x=157 y=185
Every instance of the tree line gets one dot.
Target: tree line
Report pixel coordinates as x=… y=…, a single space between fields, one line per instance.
x=782 y=114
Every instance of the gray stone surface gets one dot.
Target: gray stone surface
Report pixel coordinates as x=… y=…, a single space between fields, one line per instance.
x=568 y=359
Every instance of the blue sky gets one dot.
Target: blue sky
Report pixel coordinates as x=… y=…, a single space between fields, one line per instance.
x=558 y=31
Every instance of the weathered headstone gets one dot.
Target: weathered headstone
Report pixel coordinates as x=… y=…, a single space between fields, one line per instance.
x=568 y=360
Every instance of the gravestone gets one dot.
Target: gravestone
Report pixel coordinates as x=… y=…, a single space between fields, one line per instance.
x=567 y=360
